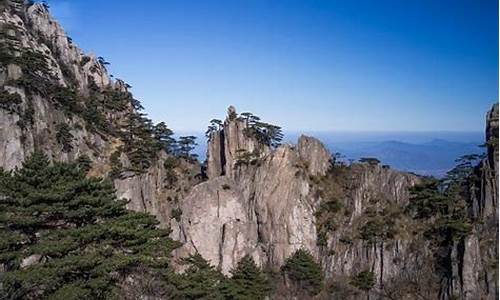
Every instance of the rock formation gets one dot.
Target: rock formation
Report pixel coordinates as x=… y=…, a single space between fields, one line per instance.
x=258 y=198
x=77 y=89
x=265 y=206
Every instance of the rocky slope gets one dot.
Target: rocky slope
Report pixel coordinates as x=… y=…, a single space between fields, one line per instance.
x=477 y=255
x=266 y=205
x=254 y=197
x=76 y=94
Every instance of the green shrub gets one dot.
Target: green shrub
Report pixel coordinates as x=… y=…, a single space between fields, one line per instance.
x=364 y=280
x=84 y=235
x=370 y=160
x=176 y=214
x=116 y=164
x=64 y=137
x=304 y=272
x=248 y=282
x=321 y=239
x=84 y=163
x=10 y=101
x=200 y=280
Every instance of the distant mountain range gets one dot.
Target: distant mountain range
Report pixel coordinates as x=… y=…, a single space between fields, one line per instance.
x=431 y=158
x=424 y=153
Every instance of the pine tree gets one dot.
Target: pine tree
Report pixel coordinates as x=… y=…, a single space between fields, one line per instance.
x=64 y=137
x=163 y=135
x=186 y=145
x=304 y=272
x=80 y=237
x=200 y=280
x=247 y=282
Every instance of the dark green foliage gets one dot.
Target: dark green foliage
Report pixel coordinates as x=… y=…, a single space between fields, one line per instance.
x=379 y=225
x=139 y=144
x=36 y=75
x=176 y=214
x=94 y=117
x=116 y=100
x=84 y=236
x=440 y=207
x=370 y=160
x=10 y=101
x=265 y=133
x=443 y=204
x=248 y=282
x=364 y=280
x=102 y=61
x=164 y=136
x=186 y=145
x=304 y=272
x=321 y=239
x=331 y=206
x=64 y=137
x=84 y=163
x=461 y=174
x=427 y=199
x=332 y=189
x=26 y=118
x=245 y=158
x=116 y=164
x=68 y=99
x=492 y=143
x=170 y=164
x=215 y=125
x=84 y=61
x=68 y=73
x=200 y=280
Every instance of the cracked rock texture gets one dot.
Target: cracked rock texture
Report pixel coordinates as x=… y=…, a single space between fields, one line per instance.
x=266 y=207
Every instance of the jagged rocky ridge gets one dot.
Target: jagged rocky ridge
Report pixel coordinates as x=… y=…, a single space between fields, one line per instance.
x=256 y=199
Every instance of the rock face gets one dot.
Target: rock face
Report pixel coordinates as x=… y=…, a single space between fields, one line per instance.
x=312 y=151
x=265 y=206
x=477 y=274
x=258 y=199
x=36 y=30
x=258 y=207
x=72 y=76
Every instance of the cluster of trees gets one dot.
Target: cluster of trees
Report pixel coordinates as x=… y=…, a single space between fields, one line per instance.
x=333 y=190
x=304 y=273
x=215 y=125
x=64 y=235
x=10 y=101
x=440 y=206
x=379 y=222
x=442 y=203
x=64 y=137
x=108 y=111
x=265 y=133
x=244 y=157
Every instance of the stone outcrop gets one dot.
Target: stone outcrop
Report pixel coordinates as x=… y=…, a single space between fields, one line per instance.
x=32 y=29
x=258 y=207
x=266 y=207
x=257 y=200
x=477 y=271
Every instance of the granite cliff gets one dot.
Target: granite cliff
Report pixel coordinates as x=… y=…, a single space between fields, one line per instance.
x=254 y=196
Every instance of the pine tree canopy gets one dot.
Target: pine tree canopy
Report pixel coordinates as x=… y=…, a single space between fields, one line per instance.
x=65 y=236
x=248 y=282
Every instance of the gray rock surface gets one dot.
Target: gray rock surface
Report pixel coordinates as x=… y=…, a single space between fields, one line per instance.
x=266 y=206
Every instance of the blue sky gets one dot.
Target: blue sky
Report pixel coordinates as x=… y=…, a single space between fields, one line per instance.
x=402 y=65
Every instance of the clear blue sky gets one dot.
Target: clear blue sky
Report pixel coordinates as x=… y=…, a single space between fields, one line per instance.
x=306 y=65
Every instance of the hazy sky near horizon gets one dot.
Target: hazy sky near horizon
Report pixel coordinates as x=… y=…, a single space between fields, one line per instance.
x=305 y=65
